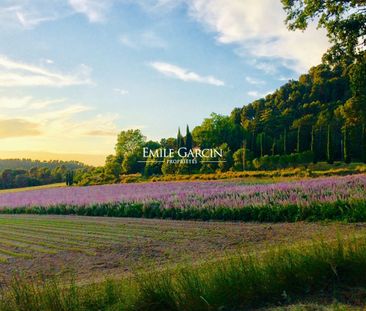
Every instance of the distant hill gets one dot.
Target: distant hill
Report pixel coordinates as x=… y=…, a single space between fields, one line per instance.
x=27 y=164
x=89 y=159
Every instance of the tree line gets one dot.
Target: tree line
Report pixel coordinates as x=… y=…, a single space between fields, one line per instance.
x=17 y=173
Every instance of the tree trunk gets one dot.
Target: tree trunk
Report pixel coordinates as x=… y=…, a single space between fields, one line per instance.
x=346 y=146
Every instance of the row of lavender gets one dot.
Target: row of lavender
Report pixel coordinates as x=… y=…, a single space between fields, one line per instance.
x=335 y=198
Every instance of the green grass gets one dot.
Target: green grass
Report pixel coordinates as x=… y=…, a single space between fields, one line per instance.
x=349 y=210
x=280 y=276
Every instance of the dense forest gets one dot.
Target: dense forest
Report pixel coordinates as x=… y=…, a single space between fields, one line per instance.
x=16 y=173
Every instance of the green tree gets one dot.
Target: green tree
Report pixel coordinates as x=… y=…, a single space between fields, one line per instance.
x=226 y=162
x=132 y=163
x=216 y=130
x=168 y=167
x=188 y=139
x=153 y=166
x=180 y=139
x=113 y=168
x=129 y=142
x=354 y=110
x=168 y=143
x=344 y=20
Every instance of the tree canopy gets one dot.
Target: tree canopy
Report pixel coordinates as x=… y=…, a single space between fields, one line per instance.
x=344 y=20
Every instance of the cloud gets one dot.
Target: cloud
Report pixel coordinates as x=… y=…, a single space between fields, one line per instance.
x=99 y=125
x=120 y=91
x=173 y=71
x=18 y=128
x=147 y=39
x=29 y=21
x=49 y=118
x=257 y=94
x=29 y=14
x=94 y=10
x=16 y=73
x=256 y=28
x=254 y=81
x=101 y=133
x=266 y=66
x=26 y=103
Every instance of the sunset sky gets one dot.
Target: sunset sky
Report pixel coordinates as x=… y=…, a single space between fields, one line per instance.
x=73 y=73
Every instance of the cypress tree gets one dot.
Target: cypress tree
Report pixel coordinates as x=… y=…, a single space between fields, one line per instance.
x=330 y=155
x=188 y=140
x=285 y=141
x=180 y=142
x=346 y=147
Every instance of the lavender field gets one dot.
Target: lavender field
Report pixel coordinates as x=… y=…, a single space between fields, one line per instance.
x=197 y=194
x=323 y=198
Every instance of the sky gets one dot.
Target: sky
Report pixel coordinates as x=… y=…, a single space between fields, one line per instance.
x=74 y=73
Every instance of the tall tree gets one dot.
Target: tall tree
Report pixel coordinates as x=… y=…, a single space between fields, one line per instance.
x=189 y=139
x=180 y=140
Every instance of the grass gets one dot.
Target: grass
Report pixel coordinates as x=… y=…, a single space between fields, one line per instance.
x=261 y=176
x=278 y=277
x=350 y=211
x=93 y=247
x=57 y=185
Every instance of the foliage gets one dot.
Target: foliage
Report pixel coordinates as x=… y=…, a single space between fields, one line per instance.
x=345 y=22
x=27 y=164
x=36 y=176
x=217 y=130
x=129 y=142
